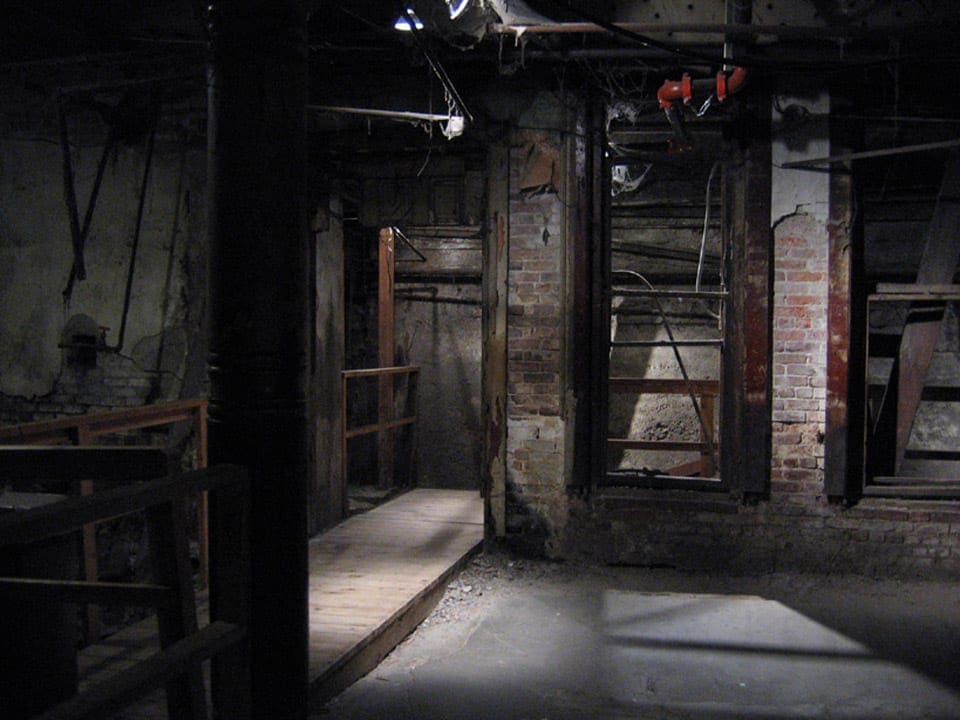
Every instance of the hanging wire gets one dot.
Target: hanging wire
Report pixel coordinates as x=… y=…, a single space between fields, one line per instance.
x=676 y=352
x=703 y=238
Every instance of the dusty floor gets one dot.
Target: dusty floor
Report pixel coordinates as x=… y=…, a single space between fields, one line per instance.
x=533 y=640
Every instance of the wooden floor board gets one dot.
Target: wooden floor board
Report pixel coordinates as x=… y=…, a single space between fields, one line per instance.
x=373 y=578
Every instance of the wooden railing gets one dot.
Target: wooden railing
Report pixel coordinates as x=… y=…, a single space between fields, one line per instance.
x=706 y=392
x=385 y=422
x=183 y=645
x=82 y=430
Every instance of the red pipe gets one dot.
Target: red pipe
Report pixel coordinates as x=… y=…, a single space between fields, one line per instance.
x=683 y=89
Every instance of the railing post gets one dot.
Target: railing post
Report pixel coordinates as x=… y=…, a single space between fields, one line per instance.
x=203 y=502
x=91 y=572
x=230 y=580
x=385 y=343
x=707 y=467
x=169 y=548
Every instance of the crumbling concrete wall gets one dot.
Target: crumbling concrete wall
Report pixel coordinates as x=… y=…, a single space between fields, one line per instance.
x=163 y=350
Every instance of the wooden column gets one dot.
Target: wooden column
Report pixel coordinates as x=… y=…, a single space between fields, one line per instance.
x=746 y=403
x=260 y=313
x=385 y=353
x=494 y=360
x=91 y=571
x=328 y=496
x=178 y=619
x=844 y=430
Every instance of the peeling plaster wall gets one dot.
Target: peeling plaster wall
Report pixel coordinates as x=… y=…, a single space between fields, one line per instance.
x=163 y=342
x=800 y=132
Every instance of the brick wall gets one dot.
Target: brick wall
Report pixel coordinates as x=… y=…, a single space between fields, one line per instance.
x=115 y=382
x=537 y=502
x=796 y=528
x=799 y=358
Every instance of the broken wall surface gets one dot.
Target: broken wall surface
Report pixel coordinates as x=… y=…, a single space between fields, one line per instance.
x=537 y=433
x=163 y=350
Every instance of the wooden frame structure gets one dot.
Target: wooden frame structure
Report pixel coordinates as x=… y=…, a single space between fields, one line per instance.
x=705 y=392
x=386 y=422
x=183 y=645
x=82 y=430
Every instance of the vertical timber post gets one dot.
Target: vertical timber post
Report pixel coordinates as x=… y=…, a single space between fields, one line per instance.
x=495 y=266
x=844 y=423
x=747 y=379
x=259 y=305
x=385 y=344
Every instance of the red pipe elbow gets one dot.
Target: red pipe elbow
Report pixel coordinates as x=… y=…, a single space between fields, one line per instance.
x=673 y=90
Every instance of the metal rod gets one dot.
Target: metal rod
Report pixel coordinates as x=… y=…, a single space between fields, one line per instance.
x=136 y=238
x=884 y=152
x=701 y=294
x=745 y=32
x=91 y=204
x=406 y=241
x=666 y=343
x=70 y=195
x=435 y=65
x=372 y=112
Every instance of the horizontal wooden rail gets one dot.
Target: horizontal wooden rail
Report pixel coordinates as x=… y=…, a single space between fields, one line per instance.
x=377 y=427
x=91 y=425
x=706 y=390
x=78 y=591
x=664 y=386
x=183 y=645
x=627 y=444
x=110 y=696
x=666 y=343
x=73 y=513
x=380 y=372
x=700 y=294
x=385 y=421
x=83 y=430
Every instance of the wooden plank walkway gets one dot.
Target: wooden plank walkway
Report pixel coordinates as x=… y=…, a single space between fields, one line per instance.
x=373 y=579
x=376 y=576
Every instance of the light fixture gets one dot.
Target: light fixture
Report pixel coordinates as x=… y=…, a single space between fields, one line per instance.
x=457 y=7
x=403 y=22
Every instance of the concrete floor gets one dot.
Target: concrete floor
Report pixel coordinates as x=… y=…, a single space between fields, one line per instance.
x=528 y=640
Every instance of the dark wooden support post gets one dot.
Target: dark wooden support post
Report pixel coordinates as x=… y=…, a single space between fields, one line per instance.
x=385 y=345
x=259 y=304
x=230 y=597
x=495 y=265
x=581 y=187
x=171 y=561
x=598 y=172
x=328 y=496
x=844 y=430
x=746 y=402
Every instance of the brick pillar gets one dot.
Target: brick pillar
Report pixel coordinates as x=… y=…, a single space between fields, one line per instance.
x=535 y=426
x=799 y=357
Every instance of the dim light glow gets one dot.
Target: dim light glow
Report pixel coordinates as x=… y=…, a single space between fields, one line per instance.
x=457 y=7
x=402 y=23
